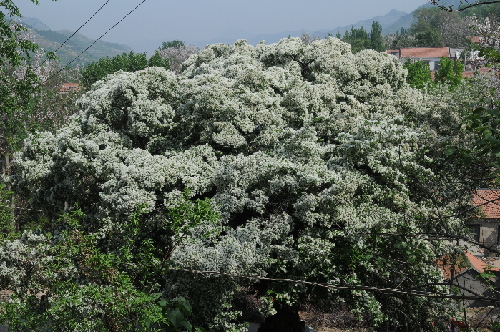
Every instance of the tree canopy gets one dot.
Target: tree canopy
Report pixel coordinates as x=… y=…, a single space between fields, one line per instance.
x=318 y=163
x=176 y=52
x=360 y=39
x=17 y=101
x=129 y=62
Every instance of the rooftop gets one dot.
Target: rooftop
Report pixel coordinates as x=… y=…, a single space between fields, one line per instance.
x=422 y=52
x=488 y=201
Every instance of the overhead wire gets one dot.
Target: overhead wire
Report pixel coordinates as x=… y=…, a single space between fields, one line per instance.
x=390 y=291
x=95 y=41
x=81 y=26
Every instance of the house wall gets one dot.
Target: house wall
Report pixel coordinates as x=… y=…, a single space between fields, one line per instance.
x=433 y=62
x=472 y=280
x=488 y=231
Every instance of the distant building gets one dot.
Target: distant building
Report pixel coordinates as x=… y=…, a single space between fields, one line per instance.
x=429 y=55
x=485 y=226
x=466 y=274
x=69 y=87
x=432 y=56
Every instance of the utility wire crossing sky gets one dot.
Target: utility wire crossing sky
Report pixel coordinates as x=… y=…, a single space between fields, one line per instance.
x=196 y=21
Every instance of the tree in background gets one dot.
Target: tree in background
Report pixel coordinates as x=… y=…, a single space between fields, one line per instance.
x=426 y=25
x=176 y=52
x=158 y=61
x=377 y=41
x=450 y=72
x=17 y=93
x=307 y=38
x=400 y=39
x=129 y=62
x=433 y=27
x=30 y=101
x=320 y=164
x=172 y=44
x=419 y=74
x=360 y=39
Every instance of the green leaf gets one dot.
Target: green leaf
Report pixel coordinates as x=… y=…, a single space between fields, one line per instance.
x=449 y=151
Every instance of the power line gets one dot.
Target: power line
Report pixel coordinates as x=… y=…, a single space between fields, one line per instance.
x=74 y=33
x=389 y=291
x=95 y=41
x=104 y=34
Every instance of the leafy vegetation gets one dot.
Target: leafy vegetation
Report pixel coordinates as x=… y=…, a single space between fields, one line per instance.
x=298 y=160
x=175 y=52
x=359 y=39
x=129 y=62
x=419 y=74
x=308 y=153
x=83 y=286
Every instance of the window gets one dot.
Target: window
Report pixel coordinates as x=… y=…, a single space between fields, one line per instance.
x=475 y=230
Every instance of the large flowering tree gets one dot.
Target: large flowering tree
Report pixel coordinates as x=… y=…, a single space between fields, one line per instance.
x=320 y=164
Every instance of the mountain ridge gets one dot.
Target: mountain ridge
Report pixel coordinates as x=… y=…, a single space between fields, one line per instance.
x=51 y=40
x=391 y=22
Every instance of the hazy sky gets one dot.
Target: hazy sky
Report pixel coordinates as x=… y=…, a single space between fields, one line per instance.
x=200 y=20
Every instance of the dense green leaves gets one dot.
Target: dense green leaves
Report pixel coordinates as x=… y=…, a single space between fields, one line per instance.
x=362 y=40
x=419 y=74
x=129 y=62
x=307 y=153
x=83 y=285
x=172 y=44
x=450 y=72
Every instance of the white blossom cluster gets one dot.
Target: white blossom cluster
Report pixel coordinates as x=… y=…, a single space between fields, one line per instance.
x=305 y=150
x=177 y=55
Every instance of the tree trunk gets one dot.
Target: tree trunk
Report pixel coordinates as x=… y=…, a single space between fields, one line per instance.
x=285 y=320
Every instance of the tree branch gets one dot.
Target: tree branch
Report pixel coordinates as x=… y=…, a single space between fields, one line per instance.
x=468 y=5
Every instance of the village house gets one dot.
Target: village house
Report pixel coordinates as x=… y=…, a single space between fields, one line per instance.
x=430 y=55
x=69 y=87
x=470 y=279
x=477 y=273
x=485 y=225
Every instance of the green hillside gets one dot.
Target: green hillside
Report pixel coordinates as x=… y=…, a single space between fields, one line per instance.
x=50 y=40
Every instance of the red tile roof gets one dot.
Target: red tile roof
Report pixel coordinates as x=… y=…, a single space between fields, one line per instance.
x=452 y=270
x=479 y=264
x=475 y=39
x=422 y=52
x=425 y=52
x=488 y=201
x=67 y=87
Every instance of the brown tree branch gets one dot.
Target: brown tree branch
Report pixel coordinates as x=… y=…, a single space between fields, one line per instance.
x=468 y=5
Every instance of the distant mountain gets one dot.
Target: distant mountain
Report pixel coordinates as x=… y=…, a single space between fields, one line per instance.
x=393 y=21
x=51 y=40
x=387 y=21
x=33 y=23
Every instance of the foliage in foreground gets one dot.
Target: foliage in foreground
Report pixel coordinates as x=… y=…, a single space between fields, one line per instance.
x=322 y=164
x=65 y=280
